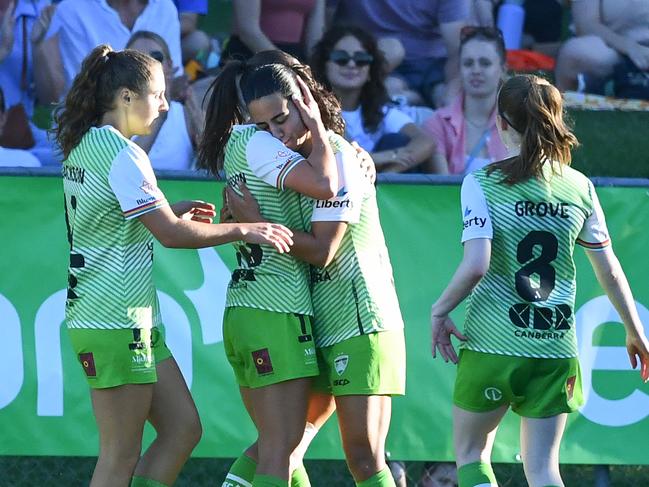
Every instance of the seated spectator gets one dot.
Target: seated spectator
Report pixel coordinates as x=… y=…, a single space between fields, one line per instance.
x=194 y=42
x=20 y=20
x=260 y=25
x=172 y=141
x=429 y=31
x=542 y=26
x=348 y=62
x=439 y=474
x=607 y=30
x=13 y=157
x=78 y=26
x=465 y=132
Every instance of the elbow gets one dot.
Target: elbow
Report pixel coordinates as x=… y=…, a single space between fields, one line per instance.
x=323 y=257
x=326 y=190
x=167 y=241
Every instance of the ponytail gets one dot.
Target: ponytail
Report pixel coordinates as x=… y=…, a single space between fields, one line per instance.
x=103 y=73
x=534 y=108
x=223 y=112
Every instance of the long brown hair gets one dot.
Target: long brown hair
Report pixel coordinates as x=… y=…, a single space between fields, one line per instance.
x=534 y=108
x=374 y=95
x=103 y=73
x=252 y=81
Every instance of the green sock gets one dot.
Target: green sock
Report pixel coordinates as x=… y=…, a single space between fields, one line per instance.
x=268 y=481
x=476 y=474
x=241 y=472
x=300 y=478
x=380 y=479
x=142 y=482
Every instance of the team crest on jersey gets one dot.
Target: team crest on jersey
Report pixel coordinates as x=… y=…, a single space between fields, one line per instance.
x=340 y=363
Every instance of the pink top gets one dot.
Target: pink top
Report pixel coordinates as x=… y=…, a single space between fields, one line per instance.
x=284 y=21
x=448 y=129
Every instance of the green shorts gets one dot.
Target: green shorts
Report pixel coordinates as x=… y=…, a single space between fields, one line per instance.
x=365 y=365
x=533 y=387
x=113 y=358
x=265 y=347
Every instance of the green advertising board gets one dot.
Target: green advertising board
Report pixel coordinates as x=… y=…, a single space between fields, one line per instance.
x=44 y=400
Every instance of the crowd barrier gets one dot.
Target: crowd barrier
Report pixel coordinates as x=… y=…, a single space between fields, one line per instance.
x=44 y=401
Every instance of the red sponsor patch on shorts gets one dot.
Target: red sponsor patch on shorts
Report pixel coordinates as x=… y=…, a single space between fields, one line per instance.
x=261 y=358
x=88 y=364
x=570 y=386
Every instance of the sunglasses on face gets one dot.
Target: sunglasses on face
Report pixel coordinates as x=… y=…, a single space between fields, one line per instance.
x=157 y=55
x=342 y=58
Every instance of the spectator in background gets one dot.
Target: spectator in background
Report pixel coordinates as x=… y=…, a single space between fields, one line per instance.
x=607 y=30
x=20 y=20
x=194 y=43
x=429 y=31
x=465 y=132
x=13 y=157
x=175 y=133
x=78 y=26
x=348 y=61
x=542 y=26
x=260 y=25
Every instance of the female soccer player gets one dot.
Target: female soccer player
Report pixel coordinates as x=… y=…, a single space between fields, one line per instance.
x=113 y=206
x=352 y=290
x=522 y=217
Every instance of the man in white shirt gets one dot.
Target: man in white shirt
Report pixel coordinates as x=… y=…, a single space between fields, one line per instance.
x=81 y=25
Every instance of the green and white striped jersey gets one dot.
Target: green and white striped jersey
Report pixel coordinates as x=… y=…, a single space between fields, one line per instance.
x=524 y=305
x=108 y=182
x=264 y=278
x=355 y=293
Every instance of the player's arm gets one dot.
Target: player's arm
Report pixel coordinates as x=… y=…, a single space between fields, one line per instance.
x=317 y=247
x=614 y=282
x=174 y=232
x=476 y=236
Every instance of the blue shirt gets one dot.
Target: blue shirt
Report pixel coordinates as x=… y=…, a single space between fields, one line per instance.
x=11 y=68
x=191 y=6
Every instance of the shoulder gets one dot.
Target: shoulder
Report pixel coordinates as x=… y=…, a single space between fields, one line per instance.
x=339 y=144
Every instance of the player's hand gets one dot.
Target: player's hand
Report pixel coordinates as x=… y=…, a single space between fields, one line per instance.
x=196 y=210
x=368 y=168
x=307 y=106
x=638 y=350
x=244 y=208
x=442 y=328
x=268 y=233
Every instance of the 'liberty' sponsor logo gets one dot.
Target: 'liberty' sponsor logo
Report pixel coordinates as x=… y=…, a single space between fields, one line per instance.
x=340 y=363
x=333 y=204
x=475 y=221
x=542 y=209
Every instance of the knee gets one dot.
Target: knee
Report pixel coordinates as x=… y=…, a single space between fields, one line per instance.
x=364 y=459
x=118 y=457
x=182 y=432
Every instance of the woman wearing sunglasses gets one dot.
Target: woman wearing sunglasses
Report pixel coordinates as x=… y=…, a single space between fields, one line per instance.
x=522 y=219
x=175 y=133
x=348 y=61
x=465 y=131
